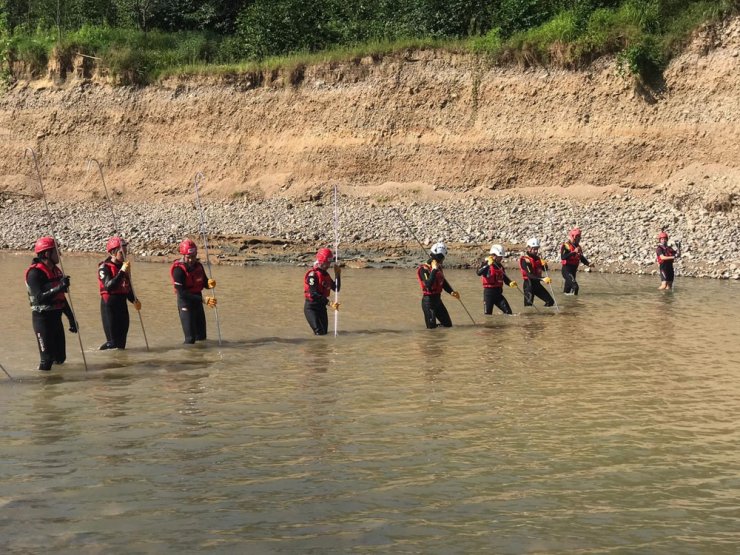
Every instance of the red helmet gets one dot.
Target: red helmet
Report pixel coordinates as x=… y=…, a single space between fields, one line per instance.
x=575 y=232
x=44 y=244
x=187 y=247
x=662 y=235
x=324 y=255
x=115 y=243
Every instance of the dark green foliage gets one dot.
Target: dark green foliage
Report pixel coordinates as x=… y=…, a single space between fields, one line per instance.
x=643 y=58
x=275 y=27
x=139 y=38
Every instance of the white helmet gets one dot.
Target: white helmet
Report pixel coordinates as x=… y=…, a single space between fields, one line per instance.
x=439 y=248
x=533 y=243
x=498 y=250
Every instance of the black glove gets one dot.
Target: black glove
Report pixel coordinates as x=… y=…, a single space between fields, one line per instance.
x=73 y=326
x=64 y=286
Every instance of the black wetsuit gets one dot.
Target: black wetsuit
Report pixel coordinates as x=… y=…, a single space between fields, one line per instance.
x=114 y=310
x=190 y=303
x=533 y=283
x=494 y=296
x=570 y=269
x=317 y=285
x=666 y=267
x=47 y=308
x=432 y=283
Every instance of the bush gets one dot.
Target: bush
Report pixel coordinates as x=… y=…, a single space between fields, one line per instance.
x=132 y=66
x=643 y=58
x=33 y=51
x=490 y=43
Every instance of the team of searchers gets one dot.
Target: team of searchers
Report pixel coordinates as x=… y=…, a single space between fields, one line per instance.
x=47 y=285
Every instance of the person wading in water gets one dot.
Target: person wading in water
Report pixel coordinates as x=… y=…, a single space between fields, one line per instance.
x=317 y=286
x=666 y=256
x=114 y=283
x=432 y=281
x=47 y=286
x=189 y=279
x=532 y=267
x=493 y=276
x=571 y=255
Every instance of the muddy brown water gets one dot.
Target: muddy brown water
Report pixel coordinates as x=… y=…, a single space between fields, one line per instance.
x=610 y=427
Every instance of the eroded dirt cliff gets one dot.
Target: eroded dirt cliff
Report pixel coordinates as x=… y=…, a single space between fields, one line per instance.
x=423 y=123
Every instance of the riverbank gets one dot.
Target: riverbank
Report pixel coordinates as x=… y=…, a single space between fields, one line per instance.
x=619 y=226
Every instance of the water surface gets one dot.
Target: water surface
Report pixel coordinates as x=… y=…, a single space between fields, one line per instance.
x=609 y=427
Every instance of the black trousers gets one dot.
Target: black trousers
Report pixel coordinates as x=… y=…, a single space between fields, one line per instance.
x=534 y=289
x=114 y=314
x=494 y=296
x=570 y=284
x=49 y=331
x=193 y=320
x=434 y=310
x=666 y=272
x=316 y=316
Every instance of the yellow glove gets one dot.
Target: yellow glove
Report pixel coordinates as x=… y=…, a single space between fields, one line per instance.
x=547 y=280
x=512 y=284
x=137 y=304
x=210 y=301
x=334 y=305
x=211 y=283
x=435 y=264
x=337 y=270
x=125 y=266
x=544 y=263
x=490 y=260
x=456 y=295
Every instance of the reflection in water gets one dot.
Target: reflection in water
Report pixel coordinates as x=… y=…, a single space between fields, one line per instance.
x=607 y=427
x=432 y=349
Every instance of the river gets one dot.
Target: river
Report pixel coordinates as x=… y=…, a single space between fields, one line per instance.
x=610 y=426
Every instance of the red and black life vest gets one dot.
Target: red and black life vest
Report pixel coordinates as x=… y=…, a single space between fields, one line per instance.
x=574 y=256
x=494 y=279
x=195 y=278
x=324 y=284
x=534 y=262
x=54 y=277
x=665 y=251
x=439 y=279
x=123 y=287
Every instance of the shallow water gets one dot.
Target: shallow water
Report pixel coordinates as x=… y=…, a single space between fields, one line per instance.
x=609 y=427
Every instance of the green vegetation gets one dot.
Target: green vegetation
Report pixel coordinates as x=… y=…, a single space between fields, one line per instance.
x=138 y=41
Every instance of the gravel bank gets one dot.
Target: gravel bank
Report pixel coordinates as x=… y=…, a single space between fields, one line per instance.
x=619 y=230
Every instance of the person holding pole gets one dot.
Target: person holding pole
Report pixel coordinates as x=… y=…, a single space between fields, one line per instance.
x=493 y=276
x=532 y=267
x=189 y=279
x=666 y=256
x=432 y=281
x=571 y=256
x=317 y=286
x=114 y=282
x=47 y=285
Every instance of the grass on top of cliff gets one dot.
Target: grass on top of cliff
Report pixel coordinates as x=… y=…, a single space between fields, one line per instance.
x=643 y=40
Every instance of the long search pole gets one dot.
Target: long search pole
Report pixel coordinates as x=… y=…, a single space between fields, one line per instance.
x=116 y=231
x=198 y=178
x=336 y=257
x=32 y=152
x=411 y=231
x=6 y=372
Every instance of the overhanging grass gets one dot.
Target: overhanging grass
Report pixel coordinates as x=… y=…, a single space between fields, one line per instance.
x=570 y=38
x=299 y=59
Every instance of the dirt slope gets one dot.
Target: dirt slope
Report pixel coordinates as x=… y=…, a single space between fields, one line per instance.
x=425 y=123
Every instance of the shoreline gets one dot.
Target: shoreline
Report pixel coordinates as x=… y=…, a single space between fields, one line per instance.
x=619 y=229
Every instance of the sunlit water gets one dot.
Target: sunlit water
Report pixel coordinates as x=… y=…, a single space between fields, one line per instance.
x=609 y=427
